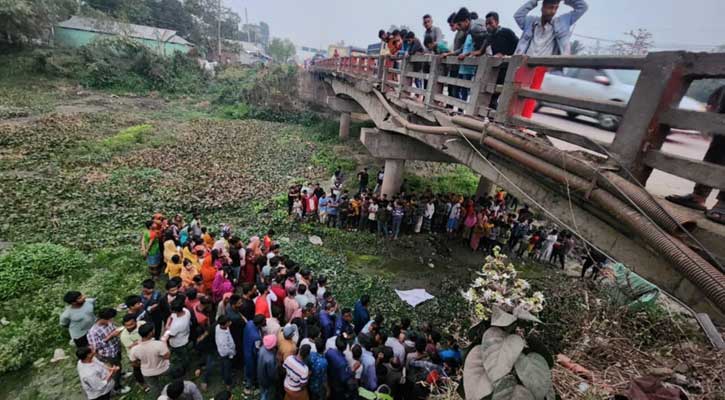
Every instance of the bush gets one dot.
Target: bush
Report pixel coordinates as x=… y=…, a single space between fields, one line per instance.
x=272 y=88
x=24 y=269
x=32 y=331
x=123 y=64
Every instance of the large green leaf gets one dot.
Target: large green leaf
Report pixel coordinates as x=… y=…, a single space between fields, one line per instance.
x=499 y=357
x=501 y=318
x=503 y=389
x=492 y=336
x=476 y=383
x=534 y=373
x=521 y=393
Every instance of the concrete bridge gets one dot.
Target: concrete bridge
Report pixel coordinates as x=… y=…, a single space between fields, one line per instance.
x=597 y=192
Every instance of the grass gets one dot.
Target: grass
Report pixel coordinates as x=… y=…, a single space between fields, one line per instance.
x=126 y=138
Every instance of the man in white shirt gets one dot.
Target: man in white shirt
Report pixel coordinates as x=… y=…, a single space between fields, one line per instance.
x=177 y=333
x=96 y=378
x=225 y=348
x=395 y=342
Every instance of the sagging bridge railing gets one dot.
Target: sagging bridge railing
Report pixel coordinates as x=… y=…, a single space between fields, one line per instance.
x=500 y=88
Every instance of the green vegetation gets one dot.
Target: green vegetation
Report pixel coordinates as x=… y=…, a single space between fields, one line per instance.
x=122 y=64
x=459 y=180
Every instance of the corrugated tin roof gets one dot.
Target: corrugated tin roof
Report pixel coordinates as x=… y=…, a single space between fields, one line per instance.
x=119 y=28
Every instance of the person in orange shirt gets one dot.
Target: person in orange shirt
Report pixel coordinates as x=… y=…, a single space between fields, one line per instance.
x=268 y=240
x=208 y=271
x=395 y=44
x=208 y=238
x=263 y=304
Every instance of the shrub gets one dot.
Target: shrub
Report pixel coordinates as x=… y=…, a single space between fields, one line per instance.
x=123 y=64
x=27 y=268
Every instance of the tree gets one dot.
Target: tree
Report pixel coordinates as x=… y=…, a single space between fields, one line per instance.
x=281 y=50
x=24 y=20
x=639 y=46
x=577 y=47
x=170 y=14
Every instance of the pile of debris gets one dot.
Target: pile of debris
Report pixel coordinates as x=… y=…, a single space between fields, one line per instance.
x=610 y=350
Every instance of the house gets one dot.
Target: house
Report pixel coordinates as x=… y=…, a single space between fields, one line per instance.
x=79 y=31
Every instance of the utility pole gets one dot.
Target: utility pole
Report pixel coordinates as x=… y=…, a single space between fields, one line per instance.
x=219 y=31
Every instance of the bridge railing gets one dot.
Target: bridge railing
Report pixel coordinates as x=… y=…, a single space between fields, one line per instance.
x=498 y=89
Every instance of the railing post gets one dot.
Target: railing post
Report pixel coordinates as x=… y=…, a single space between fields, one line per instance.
x=384 y=74
x=380 y=73
x=660 y=86
x=518 y=75
x=401 y=76
x=478 y=80
x=432 y=88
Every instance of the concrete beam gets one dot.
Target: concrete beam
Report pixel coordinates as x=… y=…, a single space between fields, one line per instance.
x=393 y=177
x=343 y=106
x=393 y=146
x=344 y=126
x=485 y=188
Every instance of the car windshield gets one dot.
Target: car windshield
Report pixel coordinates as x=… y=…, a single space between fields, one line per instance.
x=627 y=76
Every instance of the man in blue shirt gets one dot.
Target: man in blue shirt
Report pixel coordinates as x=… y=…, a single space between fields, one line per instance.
x=252 y=341
x=343 y=321
x=338 y=371
x=322 y=208
x=327 y=322
x=360 y=315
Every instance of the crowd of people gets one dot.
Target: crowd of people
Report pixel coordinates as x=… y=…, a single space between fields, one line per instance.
x=482 y=222
x=247 y=314
x=545 y=35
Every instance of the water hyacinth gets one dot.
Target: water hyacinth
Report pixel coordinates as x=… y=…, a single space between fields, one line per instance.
x=497 y=284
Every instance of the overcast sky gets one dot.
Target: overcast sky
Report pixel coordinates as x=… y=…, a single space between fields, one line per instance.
x=692 y=24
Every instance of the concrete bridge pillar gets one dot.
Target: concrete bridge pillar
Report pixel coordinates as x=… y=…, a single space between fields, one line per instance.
x=485 y=188
x=344 y=125
x=393 y=177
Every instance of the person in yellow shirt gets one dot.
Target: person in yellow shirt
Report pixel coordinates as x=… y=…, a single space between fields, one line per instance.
x=208 y=238
x=173 y=266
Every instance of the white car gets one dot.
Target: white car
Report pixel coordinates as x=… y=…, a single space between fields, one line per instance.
x=598 y=85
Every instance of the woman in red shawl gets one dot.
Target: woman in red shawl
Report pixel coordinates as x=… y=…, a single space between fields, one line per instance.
x=250 y=267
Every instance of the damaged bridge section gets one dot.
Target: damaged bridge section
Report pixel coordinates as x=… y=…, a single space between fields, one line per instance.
x=601 y=197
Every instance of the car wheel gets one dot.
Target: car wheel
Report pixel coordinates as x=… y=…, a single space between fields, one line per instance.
x=609 y=122
x=571 y=115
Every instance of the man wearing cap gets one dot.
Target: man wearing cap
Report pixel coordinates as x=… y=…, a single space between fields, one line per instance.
x=78 y=316
x=103 y=339
x=267 y=367
x=252 y=342
x=285 y=345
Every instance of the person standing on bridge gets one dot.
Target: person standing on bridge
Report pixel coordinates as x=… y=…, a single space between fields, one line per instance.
x=716 y=155
x=475 y=32
x=549 y=34
x=431 y=31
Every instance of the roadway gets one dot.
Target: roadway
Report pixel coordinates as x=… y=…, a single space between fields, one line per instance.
x=661 y=184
